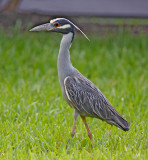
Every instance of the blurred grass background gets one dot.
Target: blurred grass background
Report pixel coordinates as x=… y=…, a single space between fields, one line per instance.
x=35 y=121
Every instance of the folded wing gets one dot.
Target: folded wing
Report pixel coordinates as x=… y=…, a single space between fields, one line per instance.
x=88 y=100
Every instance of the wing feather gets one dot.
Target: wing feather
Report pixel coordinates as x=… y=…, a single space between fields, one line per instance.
x=86 y=98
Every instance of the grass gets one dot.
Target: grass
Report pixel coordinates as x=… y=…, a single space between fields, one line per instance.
x=35 y=121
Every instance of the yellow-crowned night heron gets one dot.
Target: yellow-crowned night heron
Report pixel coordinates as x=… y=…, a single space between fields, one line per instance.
x=80 y=93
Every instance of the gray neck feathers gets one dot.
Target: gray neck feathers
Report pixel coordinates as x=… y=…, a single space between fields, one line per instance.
x=65 y=67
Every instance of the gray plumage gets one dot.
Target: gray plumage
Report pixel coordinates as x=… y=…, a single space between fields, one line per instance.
x=90 y=102
x=80 y=93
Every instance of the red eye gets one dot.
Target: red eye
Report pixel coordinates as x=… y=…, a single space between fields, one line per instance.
x=56 y=24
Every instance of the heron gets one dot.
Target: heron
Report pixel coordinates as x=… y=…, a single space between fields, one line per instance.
x=79 y=92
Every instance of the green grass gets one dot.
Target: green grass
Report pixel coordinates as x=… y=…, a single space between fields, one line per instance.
x=35 y=121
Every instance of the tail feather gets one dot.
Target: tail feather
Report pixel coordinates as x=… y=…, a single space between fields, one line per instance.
x=120 y=122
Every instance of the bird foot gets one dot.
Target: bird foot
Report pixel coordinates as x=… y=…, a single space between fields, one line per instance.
x=67 y=143
x=91 y=146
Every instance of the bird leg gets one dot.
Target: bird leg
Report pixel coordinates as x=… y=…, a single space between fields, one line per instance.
x=88 y=130
x=73 y=128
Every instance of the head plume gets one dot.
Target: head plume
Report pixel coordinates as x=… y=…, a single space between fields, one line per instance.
x=54 y=20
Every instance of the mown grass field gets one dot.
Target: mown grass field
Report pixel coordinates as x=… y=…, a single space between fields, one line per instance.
x=35 y=121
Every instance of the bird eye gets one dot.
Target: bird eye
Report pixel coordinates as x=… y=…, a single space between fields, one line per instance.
x=56 y=24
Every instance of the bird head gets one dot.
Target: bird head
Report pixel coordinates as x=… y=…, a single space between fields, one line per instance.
x=60 y=25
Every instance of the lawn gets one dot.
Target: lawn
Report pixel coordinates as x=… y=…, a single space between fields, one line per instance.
x=35 y=121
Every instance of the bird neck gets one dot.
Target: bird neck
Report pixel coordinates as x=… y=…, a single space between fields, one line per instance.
x=64 y=63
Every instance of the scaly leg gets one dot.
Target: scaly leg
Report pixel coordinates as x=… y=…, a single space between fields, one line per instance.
x=74 y=127
x=88 y=130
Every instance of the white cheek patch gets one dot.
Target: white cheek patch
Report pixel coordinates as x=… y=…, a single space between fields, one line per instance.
x=65 y=26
